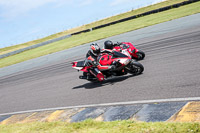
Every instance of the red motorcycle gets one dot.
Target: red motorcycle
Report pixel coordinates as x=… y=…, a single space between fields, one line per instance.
x=135 y=53
x=123 y=62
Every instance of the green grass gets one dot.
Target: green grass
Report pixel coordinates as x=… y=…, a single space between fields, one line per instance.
x=91 y=126
x=102 y=33
x=87 y=26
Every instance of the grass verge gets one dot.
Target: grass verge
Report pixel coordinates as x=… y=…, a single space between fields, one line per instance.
x=88 y=26
x=91 y=126
x=102 y=33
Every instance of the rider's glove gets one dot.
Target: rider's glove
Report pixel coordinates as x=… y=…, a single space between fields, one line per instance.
x=118 y=43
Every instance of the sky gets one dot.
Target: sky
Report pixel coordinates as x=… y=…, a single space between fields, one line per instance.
x=26 y=20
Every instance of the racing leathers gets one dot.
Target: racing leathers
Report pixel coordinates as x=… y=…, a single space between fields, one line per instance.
x=96 y=70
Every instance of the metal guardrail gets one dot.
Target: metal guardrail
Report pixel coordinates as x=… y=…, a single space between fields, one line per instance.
x=101 y=26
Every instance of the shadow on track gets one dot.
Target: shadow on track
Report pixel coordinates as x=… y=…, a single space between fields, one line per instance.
x=93 y=85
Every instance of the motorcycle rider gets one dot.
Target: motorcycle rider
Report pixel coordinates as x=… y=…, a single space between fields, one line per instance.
x=110 y=45
x=92 y=55
x=116 y=46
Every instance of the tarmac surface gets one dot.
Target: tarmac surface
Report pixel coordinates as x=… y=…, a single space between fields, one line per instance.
x=171 y=71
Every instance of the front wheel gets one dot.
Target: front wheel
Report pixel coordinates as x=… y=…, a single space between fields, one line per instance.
x=135 y=68
x=140 y=55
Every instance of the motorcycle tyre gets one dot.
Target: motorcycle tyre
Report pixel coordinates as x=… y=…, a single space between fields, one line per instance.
x=136 y=68
x=140 y=54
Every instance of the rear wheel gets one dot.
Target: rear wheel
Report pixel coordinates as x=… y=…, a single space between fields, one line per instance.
x=135 y=68
x=140 y=54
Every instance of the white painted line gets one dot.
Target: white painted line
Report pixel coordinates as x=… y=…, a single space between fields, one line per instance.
x=108 y=104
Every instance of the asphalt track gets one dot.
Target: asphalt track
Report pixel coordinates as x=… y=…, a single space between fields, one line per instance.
x=171 y=71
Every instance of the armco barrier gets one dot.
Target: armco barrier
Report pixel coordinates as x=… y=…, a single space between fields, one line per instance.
x=101 y=26
x=146 y=13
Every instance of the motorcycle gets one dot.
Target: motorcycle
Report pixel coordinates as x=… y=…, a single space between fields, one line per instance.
x=122 y=60
x=135 y=53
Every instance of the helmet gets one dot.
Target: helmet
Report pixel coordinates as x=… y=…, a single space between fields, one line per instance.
x=95 y=48
x=108 y=44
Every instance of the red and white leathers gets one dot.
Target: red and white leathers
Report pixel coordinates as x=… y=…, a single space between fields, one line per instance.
x=96 y=71
x=98 y=74
x=105 y=67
